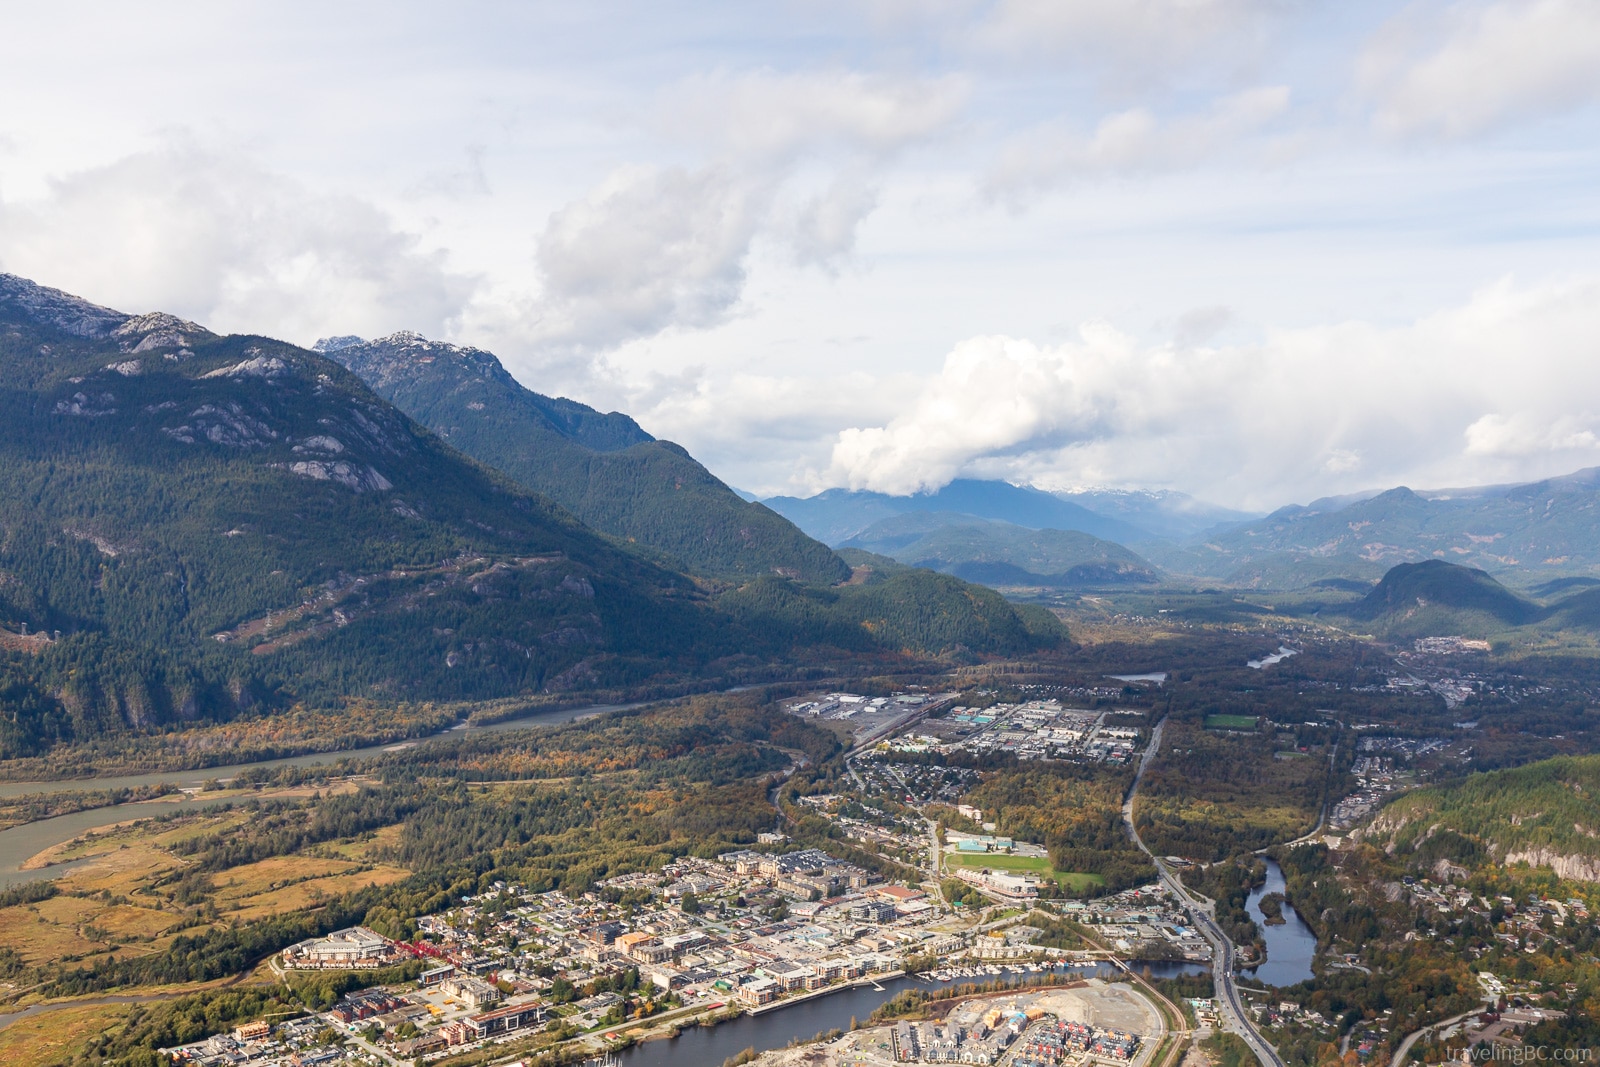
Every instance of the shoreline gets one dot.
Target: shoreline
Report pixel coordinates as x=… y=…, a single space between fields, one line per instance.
x=814 y=994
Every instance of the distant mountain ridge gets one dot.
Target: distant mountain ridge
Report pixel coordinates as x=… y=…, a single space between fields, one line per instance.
x=837 y=515
x=1002 y=554
x=1549 y=527
x=604 y=468
x=1160 y=514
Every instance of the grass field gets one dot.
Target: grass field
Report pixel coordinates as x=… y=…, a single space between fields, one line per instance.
x=1230 y=722
x=122 y=898
x=1039 y=865
x=56 y=1035
x=290 y=883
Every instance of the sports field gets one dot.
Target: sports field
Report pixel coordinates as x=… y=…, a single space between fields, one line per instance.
x=1039 y=865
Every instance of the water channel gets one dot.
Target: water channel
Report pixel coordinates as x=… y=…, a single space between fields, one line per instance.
x=20 y=842
x=1290 y=947
x=703 y=1046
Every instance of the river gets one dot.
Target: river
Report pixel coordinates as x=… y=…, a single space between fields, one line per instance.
x=20 y=842
x=1290 y=947
x=703 y=1046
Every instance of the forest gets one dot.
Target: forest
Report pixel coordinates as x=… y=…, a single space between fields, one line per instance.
x=1551 y=807
x=1211 y=794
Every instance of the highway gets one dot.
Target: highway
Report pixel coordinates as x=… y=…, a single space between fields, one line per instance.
x=1230 y=1006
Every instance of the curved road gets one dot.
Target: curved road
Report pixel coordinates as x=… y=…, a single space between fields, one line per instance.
x=1411 y=1039
x=1234 y=1018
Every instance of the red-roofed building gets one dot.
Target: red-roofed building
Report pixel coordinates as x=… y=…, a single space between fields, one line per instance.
x=899 y=893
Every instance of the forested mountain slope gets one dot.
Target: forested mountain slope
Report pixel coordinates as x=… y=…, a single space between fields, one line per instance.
x=1436 y=598
x=602 y=467
x=1546 y=814
x=202 y=526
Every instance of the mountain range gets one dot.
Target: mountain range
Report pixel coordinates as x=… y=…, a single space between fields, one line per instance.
x=603 y=468
x=1001 y=553
x=1159 y=514
x=1530 y=532
x=837 y=515
x=992 y=532
x=1527 y=534
x=201 y=526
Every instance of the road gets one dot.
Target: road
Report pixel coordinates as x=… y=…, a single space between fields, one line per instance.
x=1230 y=1006
x=1404 y=1050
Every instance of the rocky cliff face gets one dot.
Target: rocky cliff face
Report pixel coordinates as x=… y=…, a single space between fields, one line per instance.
x=457 y=389
x=62 y=311
x=1578 y=868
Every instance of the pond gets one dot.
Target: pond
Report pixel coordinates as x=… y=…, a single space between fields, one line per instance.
x=1290 y=947
x=1283 y=653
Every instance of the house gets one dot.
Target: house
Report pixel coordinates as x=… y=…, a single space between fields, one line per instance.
x=435 y=975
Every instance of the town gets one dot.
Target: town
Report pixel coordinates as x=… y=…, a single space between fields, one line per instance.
x=748 y=932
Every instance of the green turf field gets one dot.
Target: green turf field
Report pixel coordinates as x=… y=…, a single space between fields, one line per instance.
x=1230 y=722
x=1039 y=865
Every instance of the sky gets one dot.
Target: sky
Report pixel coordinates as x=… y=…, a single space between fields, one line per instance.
x=1259 y=251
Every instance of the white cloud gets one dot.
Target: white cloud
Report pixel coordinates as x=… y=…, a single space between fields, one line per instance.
x=229 y=244
x=765 y=115
x=1199 y=325
x=653 y=248
x=1524 y=434
x=1305 y=412
x=762 y=431
x=649 y=248
x=1133 y=141
x=469 y=179
x=823 y=227
x=1131 y=41
x=1479 y=67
